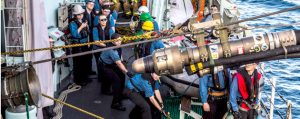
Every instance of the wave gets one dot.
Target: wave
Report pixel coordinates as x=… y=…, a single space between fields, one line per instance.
x=296 y=2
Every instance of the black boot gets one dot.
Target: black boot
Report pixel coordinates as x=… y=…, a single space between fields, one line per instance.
x=118 y=106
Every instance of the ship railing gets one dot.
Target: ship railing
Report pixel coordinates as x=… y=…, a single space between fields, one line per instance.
x=271 y=98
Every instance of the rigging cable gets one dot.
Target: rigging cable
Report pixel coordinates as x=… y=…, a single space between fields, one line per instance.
x=269 y=80
x=264 y=15
x=275 y=108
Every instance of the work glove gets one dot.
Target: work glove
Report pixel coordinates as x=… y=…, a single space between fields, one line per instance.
x=237 y=115
x=129 y=74
x=155 y=34
x=162 y=105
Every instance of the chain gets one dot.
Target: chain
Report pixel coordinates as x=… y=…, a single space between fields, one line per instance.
x=123 y=39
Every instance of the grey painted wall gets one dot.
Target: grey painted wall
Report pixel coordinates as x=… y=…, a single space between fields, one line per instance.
x=51 y=11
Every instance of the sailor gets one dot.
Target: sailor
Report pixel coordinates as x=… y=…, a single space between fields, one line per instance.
x=117 y=5
x=114 y=70
x=244 y=92
x=213 y=91
x=89 y=16
x=208 y=16
x=146 y=17
x=127 y=7
x=112 y=6
x=140 y=91
x=150 y=47
x=79 y=33
x=106 y=11
x=101 y=32
x=143 y=9
x=97 y=7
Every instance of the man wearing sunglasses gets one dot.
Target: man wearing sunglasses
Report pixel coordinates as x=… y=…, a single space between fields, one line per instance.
x=106 y=12
x=101 y=32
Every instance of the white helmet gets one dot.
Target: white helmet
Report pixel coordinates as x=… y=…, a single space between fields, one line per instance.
x=77 y=9
x=143 y=9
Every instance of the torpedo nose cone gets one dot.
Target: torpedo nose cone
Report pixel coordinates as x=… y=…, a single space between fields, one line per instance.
x=138 y=66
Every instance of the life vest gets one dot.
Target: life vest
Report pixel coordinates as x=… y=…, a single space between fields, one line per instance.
x=103 y=32
x=216 y=80
x=84 y=32
x=86 y=18
x=248 y=88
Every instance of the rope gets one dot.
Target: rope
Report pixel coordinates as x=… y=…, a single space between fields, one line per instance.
x=123 y=39
x=108 y=48
x=264 y=15
x=63 y=97
x=73 y=107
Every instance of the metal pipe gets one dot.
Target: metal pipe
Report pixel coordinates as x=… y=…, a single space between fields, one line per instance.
x=252 y=57
x=172 y=60
x=289 y=110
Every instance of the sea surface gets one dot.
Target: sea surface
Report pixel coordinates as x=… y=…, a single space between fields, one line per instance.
x=286 y=72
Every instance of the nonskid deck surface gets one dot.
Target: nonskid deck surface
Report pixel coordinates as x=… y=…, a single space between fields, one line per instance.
x=89 y=98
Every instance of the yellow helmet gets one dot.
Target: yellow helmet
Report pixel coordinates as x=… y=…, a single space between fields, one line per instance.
x=148 y=25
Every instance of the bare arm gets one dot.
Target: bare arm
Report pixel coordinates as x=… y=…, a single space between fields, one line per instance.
x=155 y=103
x=101 y=44
x=158 y=96
x=121 y=66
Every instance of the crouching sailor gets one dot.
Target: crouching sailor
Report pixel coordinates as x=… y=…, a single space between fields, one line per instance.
x=213 y=92
x=140 y=91
x=244 y=91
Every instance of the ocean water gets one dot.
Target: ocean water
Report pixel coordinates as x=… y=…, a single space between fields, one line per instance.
x=286 y=72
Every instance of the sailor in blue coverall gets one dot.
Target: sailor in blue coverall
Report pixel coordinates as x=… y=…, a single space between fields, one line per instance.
x=141 y=91
x=79 y=34
x=213 y=91
x=114 y=70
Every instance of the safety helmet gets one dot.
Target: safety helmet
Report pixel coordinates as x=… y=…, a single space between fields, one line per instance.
x=143 y=9
x=146 y=17
x=77 y=9
x=148 y=26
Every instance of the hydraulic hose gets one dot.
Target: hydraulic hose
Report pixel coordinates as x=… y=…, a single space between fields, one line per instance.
x=260 y=56
x=293 y=55
x=172 y=60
